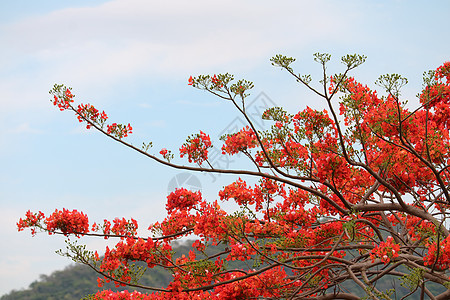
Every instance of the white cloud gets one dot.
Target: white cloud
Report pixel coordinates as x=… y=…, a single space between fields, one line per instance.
x=196 y=103
x=123 y=38
x=145 y=105
x=158 y=123
x=99 y=47
x=81 y=129
x=25 y=128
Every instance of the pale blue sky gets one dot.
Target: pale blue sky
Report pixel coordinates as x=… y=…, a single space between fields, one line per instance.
x=132 y=58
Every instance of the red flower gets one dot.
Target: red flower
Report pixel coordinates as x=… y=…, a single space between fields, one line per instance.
x=163 y=152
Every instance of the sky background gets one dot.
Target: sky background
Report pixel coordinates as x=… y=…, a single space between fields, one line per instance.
x=132 y=58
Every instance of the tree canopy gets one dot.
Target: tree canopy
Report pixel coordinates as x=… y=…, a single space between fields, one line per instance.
x=351 y=194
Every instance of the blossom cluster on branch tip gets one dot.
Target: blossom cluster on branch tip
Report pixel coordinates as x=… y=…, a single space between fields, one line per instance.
x=118 y=130
x=63 y=101
x=63 y=97
x=238 y=142
x=87 y=111
x=215 y=82
x=196 y=148
x=182 y=199
x=64 y=221
x=32 y=220
x=68 y=222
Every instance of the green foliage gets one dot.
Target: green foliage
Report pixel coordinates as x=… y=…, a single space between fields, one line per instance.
x=392 y=83
x=282 y=61
x=429 y=78
x=276 y=114
x=371 y=294
x=60 y=90
x=413 y=279
x=322 y=58
x=145 y=146
x=353 y=60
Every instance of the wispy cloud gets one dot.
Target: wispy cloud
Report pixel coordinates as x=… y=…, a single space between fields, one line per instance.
x=25 y=128
x=158 y=123
x=107 y=43
x=195 y=103
x=145 y=105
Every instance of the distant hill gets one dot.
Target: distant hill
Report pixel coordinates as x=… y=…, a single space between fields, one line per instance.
x=76 y=282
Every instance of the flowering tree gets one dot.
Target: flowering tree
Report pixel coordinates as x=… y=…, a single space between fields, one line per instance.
x=353 y=194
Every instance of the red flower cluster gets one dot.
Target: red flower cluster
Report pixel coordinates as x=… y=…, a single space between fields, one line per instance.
x=89 y=112
x=133 y=249
x=182 y=199
x=196 y=148
x=64 y=221
x=241 y=194
x=314 y=123
x=121 y=227
x=443 y=72
x=209 y=221
x=68 y=222
x=178 y=221
x=386 y=250
x=64 y=101
x=241 y=252
x=439 y=256
x=118 y=130
x=123 y=295
x=240 y=141
x=261 y=286
x=32 y=220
